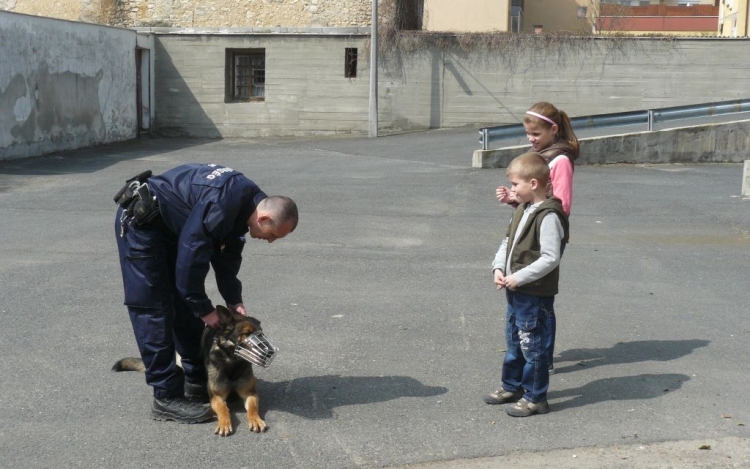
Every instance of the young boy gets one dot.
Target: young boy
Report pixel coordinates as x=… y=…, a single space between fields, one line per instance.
x=527 y=266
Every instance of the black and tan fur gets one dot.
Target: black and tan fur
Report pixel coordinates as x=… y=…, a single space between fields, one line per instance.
x=227 y=373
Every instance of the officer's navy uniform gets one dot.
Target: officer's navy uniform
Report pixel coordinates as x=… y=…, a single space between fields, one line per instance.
x=203 y=219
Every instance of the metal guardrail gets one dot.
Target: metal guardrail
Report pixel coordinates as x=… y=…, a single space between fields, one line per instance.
x=488 y=135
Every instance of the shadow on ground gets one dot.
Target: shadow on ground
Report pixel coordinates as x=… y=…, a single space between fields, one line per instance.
x=622 y=388
x=92 y=159
x=627 y=352
x=315 y=397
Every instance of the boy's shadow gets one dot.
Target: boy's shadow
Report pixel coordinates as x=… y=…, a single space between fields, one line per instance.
x=645 y=386
x=315 y=397
x=627 y=352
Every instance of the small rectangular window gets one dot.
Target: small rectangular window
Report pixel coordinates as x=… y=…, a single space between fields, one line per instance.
x=245 y=75
x=350 y=62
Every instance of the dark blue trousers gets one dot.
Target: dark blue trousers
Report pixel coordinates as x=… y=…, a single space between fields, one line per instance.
x=161 y=322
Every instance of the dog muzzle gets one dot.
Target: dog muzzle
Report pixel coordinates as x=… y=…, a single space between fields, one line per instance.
x=256 y=349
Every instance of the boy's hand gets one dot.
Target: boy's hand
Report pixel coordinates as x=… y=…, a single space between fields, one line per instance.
x=499 y=279
x=505 y=195
x=510 y=282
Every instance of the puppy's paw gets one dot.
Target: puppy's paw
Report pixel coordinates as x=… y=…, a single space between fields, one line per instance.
x=257 y=425
x=223 y=429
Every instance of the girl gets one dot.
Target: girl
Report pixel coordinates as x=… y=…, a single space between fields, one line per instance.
x=549 y=131
x=551 y=135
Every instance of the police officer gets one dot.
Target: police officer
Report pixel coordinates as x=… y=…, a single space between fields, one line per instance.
x=202 y=213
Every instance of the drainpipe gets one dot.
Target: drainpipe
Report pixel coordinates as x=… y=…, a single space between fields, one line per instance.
x=374 y=71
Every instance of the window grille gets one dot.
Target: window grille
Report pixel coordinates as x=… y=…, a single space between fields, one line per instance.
x=246 y=75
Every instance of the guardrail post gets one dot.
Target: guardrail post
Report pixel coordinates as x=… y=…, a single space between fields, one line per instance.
x=746 y=179
x=485 y=139
x=650 y=120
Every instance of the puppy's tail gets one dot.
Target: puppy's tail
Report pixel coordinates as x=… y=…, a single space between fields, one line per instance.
x=129 y=364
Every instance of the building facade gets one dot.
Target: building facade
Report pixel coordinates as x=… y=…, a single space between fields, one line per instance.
x=473 y=15
x=675 y=17
x=733 y=18
x=664 y=17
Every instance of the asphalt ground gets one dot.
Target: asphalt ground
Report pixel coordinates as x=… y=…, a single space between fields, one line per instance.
x=383 y=306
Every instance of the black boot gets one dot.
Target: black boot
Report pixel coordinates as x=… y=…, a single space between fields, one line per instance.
x=196 y=392
x=181 y=410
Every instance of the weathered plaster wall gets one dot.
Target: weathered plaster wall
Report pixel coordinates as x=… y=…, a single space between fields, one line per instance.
x=63 y=85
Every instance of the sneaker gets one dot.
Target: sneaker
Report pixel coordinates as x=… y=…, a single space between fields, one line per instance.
x=502 y=397
x=524 y=408
x=181 y=410
x=196 y=392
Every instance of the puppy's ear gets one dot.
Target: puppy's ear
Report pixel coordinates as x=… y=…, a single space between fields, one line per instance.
x=255 y=323
x=224 y=314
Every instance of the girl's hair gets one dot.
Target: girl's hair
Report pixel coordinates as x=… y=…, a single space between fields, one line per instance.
x=565 y=132
x=530 y=166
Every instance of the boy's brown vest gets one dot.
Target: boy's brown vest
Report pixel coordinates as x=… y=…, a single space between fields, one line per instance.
x=528 y=249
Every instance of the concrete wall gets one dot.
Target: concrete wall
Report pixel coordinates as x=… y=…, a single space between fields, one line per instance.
x=583 y=77
x=713 y=143
x=64 y=85
x=306 y=91
x=453 y=88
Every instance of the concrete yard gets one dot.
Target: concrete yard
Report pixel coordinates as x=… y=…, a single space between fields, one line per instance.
x=383 y=306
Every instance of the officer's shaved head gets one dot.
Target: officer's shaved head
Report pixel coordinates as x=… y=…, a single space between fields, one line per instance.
x=282 y=210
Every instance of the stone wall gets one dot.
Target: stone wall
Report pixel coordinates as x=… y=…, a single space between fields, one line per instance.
x=208 y=13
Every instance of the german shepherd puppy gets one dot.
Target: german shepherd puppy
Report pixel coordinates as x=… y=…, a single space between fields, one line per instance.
x=227 y=373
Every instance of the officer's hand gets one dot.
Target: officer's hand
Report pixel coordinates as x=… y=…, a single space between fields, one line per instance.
x=212 y=319
x=238 y=308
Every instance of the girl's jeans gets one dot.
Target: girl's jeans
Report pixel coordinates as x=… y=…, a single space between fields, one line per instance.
x=526 y=336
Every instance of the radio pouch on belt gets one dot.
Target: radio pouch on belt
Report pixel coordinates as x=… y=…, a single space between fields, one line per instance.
x=145 y=207
x=125 y=196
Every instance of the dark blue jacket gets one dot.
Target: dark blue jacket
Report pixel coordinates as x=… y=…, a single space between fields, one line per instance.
x=207 y=207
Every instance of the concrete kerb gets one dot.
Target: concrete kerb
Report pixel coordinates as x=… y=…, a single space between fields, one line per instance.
x=712 y=143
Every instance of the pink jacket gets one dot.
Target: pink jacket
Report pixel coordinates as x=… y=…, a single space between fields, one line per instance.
x=561 y=177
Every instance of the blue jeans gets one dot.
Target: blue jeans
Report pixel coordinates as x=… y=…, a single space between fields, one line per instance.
x=549 y=344
x=527 y=335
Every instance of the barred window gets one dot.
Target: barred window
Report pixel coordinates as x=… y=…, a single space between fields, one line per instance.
x=246 y=75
